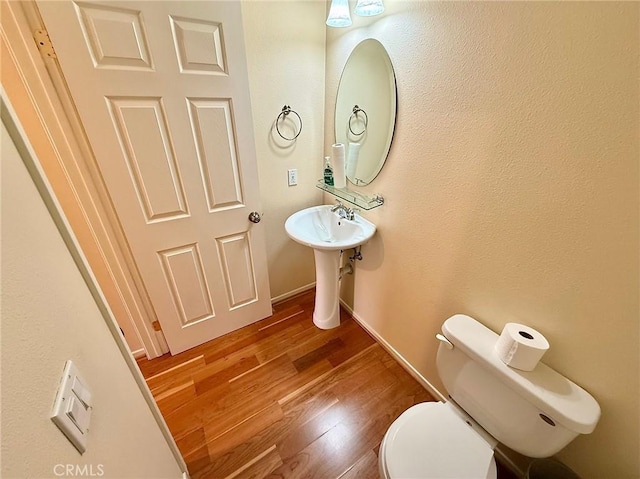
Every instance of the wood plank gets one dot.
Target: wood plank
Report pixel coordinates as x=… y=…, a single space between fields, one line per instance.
x=189 y=444
x=356 y=339
x=295 y=414
x=266 y=344
x=313 y=462
x=172 y=399
x=228 y=342
x=334 y=375
x=282 y=398
x=223 y=371
x=299 y=438
x=361 y=428
x=318 y=354
x=232 y=449
x=199 y=460
x=300 y=332
x=259 y=467
x=220 y=442
x=175 y=376
x=365 y=468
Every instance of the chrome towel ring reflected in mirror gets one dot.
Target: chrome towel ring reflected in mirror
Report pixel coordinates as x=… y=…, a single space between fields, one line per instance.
x=356 y=110
x=282 y=116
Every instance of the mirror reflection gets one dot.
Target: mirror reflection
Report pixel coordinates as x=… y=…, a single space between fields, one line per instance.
x=366 y=111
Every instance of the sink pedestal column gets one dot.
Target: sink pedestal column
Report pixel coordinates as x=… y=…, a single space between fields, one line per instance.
x=326 y=314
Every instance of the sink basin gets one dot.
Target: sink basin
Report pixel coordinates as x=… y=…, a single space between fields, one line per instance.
x=328 y=234
x=319 y=228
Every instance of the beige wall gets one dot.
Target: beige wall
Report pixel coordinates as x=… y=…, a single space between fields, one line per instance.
x=285 y=43
x=512 y=192
x=49 y=316
x=511 y=188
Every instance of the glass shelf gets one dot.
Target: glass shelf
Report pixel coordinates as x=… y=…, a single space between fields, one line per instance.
x=360 y=200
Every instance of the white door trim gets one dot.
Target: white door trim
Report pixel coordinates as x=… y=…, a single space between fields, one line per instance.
x=72 y=170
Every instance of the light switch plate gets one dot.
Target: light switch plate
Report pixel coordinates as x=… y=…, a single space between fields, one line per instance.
x=81 y=391
x=292 y=177
x=72 y=407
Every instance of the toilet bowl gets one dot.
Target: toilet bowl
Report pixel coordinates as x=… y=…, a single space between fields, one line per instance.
x=435 y=440
x=536 y=413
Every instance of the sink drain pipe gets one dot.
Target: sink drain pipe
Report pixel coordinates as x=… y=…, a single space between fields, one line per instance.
x=348 y=268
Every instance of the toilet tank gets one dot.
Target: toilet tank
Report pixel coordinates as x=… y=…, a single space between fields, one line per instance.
x=536 y=413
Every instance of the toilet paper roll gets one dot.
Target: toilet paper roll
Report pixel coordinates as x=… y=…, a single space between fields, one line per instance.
x=520 y=346
x=337 y=161
x=352 y=160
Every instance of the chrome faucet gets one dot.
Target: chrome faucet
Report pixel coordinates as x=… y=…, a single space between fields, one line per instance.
x=344 y=212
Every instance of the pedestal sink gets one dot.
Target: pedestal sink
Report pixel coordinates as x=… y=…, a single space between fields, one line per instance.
x=328 y=232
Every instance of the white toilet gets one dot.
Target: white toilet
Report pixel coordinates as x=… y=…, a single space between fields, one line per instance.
x=535 y=413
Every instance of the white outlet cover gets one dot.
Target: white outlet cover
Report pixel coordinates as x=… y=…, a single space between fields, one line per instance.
x=292 y=177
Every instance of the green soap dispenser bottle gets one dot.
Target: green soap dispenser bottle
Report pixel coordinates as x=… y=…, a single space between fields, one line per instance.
x=328 y=172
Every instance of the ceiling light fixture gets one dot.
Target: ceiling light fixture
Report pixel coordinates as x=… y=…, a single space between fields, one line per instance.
x=339 y=15
x=369 y=8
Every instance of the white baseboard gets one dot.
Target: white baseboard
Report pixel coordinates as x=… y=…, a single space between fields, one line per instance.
x=406 y=365
x=139 y=353
x=290 y=294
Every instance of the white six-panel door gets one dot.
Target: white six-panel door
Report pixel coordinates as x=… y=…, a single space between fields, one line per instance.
x=162 y=91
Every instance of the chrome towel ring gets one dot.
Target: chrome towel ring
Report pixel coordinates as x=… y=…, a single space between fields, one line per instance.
x=356 y=110
x=282 y=116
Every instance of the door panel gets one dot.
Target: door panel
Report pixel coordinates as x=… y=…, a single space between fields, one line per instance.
x=184 y=273
x=114 y=36
x=162 y=90
x=199 y=46
x=216 y=152
x=142 y=130
x=237 y=264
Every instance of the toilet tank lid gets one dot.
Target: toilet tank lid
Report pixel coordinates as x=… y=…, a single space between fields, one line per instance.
x=552 y=393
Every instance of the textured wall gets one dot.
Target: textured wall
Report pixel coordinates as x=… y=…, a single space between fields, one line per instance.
x=285 y=43
x=512 y=192
x=49 y=316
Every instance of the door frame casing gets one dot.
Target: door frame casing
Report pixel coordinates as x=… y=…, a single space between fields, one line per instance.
x=72 y=170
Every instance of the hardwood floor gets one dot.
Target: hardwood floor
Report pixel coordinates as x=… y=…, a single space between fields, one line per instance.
x=283 y=399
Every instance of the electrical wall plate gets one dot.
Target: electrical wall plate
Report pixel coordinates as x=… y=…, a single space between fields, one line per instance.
x=72 y=407
x=292 y=177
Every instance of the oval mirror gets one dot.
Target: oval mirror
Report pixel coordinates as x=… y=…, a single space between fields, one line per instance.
x=366 y=110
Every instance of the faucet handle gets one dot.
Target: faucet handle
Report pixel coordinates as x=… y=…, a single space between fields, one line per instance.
x=351 y=213
x=338 y=207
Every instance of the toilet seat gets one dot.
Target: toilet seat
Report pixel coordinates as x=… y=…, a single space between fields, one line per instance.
x=431 y=440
